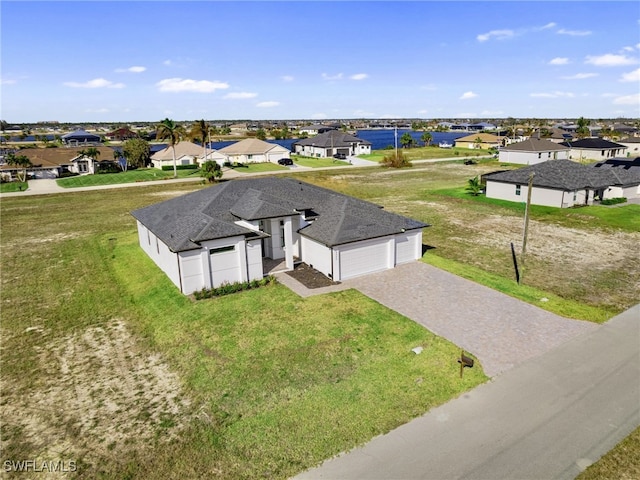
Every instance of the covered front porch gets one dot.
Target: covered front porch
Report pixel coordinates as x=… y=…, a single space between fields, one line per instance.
x=272 y=266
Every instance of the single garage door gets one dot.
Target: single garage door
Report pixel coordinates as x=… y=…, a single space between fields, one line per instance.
x=364 y=257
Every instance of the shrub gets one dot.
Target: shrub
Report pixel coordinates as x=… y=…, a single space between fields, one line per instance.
x=229 y=288
x=180 y=167
x=395 y=160
x=613 y=201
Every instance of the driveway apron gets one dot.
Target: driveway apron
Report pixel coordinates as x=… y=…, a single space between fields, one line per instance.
x=499 y=330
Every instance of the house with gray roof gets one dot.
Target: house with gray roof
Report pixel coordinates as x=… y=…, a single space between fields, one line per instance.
x=533 y=150
x=81 y=137
x=221 y=234
x=330 y=143
x=562 y=183
x=594 y=148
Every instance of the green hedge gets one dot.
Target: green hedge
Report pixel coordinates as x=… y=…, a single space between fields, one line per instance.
x=228 y=288
x=180 y=167
x=613 y=201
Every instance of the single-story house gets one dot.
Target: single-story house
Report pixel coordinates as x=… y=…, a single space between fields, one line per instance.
x=594 y=148
x=316 y=129
x=533 y=150
x=51 y=162
x=186 y=153
x=222 y=233
x=479 y=140
x=632 y=144
x=81 y=138
x=120 y=134
x=562 y=183
x=250 y=150
x=329 y=143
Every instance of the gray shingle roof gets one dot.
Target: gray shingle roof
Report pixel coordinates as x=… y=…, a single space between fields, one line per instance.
x=208 y=214
x=592 y=142
x=564 y=175
x=535 y=145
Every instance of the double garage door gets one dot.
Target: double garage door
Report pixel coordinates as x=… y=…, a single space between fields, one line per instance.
x=374 y=255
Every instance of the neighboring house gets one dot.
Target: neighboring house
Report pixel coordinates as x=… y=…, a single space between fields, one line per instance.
x=187 y=153
x=329 y=143
x=81 y=138
x=51 y=162
x=487 y=140
x=594 y=148
x=558 y=135
x=316 y=129
x=250 y=150
x=222 y=233
x=562 y=183
x=532 y=151
x=120 y=134
x=632 y=144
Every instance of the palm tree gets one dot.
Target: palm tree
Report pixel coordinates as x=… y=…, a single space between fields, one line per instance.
x=474 y=186
x=406 y=140
x=19 y=161
x=92 y=152
x=583 y=128
x=426 y=138
x=200 y=131
x=169 y=130
x=477 y=143
x=211 y=171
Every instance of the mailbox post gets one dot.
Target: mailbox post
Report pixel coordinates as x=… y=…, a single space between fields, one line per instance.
x=464 y=361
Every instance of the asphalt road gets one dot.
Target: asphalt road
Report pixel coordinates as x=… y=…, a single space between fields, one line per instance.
x=548 y=418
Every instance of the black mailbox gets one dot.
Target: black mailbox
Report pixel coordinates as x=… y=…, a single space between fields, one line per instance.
x=464 y=361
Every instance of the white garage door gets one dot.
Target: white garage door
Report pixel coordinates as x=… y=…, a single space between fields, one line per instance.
x=363 y=258
x=405 y=248
x=225 y=265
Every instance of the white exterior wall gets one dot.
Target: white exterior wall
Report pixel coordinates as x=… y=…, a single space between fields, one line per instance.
x=539 y=196
x=349 y=260
x=254 y=260
x=316 y=255
x=592 y=154
x=191 y=270
x=531 y=158
x=618 y=192
x=159 y=252
x=184 y=160
x=224 y=267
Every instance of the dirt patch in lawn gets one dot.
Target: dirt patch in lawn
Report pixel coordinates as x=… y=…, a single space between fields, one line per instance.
x=310 y=277
x=98 y=394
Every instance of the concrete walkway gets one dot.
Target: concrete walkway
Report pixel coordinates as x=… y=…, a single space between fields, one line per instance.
x=499 y=330
x=546 y=419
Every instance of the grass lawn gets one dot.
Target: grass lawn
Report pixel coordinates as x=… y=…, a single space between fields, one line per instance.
x=318 y=162
x=130 y=176
x=427 y=153
x=13 y=187
x=259 y=167
x=621 y=463
x=145 y=382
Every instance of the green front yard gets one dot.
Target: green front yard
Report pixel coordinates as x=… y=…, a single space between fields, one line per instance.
x=317 y=162
x=9 y=187
x=428 y=153
x=130 y=176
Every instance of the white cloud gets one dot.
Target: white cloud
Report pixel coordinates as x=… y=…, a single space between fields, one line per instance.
x=574 y=33
x=552 y=95
x=267 y=104
x=610 y=60
x=240 y=95
x=95 y=83
x=359 y=76
x=332 y=77
x=168 y=63
x=7 y=82
x=580 y=76
x=468 y=95
x=497 y=34
x=631 y=76
x=547 y=26
x=189 y=85
x=628 y=100
x=134 y=69
x=287 y=78
x=559 y=61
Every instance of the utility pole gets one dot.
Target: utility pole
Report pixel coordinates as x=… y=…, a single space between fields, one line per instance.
x=526 y=226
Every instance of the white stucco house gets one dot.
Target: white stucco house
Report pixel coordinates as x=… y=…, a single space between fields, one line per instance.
x=329 y=143
x=187 y=153
x=594 y=148
x=532 y=151
x=562 y=183
x=632 y=144
x=222 y=233
x=250 y=150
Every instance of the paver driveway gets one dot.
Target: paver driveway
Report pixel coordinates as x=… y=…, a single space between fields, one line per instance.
x=499 y=330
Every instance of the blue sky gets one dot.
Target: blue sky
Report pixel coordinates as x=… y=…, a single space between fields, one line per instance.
x=143 y=61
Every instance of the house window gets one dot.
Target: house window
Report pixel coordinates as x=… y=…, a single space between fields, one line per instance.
x=282 y=233
x=228 y=248
x=517 y=189
x=540 y=155
x=549 y=155
x=575 y=196
x=250 y=157
x=148 y=237
x=157 y=245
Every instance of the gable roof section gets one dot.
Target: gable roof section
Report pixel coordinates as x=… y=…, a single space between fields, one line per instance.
x=250 y=146
x=535 y=145
x=55 y=157
x=332 y=139
x=208 y=214
x=594 y=143
x=563 y=175
x=182 y=149
x=485 y=137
